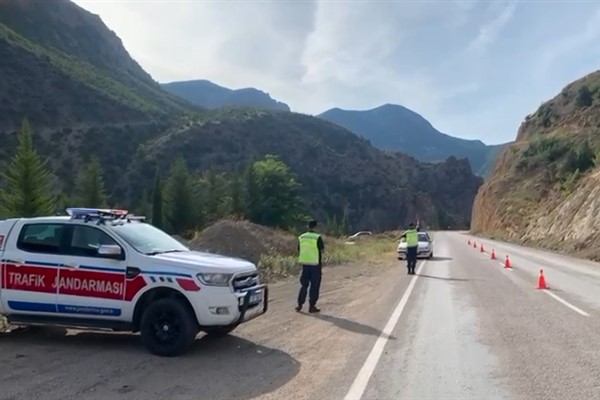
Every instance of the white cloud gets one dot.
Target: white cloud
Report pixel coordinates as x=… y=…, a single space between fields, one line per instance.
x=432 y=56
x=490 y=31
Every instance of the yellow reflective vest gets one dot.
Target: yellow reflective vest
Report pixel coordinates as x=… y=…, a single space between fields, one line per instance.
x=412 y=238
x=309 y=248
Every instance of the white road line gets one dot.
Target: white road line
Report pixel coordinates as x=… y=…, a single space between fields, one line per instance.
x=566 y=303
x=559 y=299
x=364 y=375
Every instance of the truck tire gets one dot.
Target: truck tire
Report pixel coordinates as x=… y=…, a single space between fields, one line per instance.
x=168 y=327
x=218 y=331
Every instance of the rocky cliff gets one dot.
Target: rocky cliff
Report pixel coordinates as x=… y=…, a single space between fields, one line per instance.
x=545 y=189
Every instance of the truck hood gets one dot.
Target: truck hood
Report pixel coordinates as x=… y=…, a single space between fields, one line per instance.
x=197 y=261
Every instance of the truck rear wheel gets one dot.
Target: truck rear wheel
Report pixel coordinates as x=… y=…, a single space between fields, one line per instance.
x=218 y=331
x=168 y=327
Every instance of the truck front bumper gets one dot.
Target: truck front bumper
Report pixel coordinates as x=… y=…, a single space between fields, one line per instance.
x=249 y=308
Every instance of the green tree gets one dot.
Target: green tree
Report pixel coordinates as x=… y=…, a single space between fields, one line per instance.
x=212 y=196
x=278 y=202
x=144 y=206
x=28 y=190
x=157 y=202
x=179 y=199
x=236 y=192
x=90 y=190
x=251 y=194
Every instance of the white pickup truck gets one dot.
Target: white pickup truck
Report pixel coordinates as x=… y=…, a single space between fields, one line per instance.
x=106 y=269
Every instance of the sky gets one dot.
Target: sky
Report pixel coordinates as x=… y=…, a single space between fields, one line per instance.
x=474 y=69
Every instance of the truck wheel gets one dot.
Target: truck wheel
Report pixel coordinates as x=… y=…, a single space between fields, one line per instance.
x=431 y=255
x=168 y=328
x=218 y=331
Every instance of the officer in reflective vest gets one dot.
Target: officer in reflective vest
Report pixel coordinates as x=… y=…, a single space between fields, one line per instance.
x=310 y=248
x=412 y=244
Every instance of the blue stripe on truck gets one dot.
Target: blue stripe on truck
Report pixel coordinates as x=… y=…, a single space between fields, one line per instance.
x=63 y=308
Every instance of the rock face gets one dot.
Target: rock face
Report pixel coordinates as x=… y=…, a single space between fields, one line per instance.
x=545 y=189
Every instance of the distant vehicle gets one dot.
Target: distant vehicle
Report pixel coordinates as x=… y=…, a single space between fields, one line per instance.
x=361 y=233
x=425 y=249
x=107 y=269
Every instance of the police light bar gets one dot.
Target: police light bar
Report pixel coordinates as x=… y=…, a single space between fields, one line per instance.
x=75 y=212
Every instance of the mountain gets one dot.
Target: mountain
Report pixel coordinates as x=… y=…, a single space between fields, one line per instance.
x=545 y=188
x=81 y=105
x=61 y=66
x=396 y=128
x=210 y=95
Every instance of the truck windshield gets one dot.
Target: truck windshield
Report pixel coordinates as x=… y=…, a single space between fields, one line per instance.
x=147 y=239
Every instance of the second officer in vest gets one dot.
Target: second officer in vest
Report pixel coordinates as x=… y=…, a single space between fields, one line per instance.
x=412 y=244
x=310 y=247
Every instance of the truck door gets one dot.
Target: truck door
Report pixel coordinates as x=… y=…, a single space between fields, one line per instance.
x=89 y=285
x=30 y=268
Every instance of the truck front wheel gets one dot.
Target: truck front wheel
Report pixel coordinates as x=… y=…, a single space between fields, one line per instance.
x=168 y=328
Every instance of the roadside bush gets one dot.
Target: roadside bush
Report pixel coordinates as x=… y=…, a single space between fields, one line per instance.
x=584 y=97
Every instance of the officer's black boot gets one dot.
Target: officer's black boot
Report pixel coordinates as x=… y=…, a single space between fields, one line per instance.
x=314 y=309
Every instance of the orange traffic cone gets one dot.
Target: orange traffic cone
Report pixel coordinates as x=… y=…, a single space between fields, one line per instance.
x=469 y=242
x=507 y=263
x=542 y=280
x=482 y=249
x=493 y=256
x=474 y=244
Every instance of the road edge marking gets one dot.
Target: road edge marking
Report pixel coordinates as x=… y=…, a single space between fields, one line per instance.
x=566 y=303
x=359 y=385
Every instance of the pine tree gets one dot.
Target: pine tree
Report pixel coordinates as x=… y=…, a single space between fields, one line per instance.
x=28 y=190
x=345 y=224
x=179 y=196
x=157 y=202
x=90 y=190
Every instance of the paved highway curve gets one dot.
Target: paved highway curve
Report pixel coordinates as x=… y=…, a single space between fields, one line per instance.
x=462 y=328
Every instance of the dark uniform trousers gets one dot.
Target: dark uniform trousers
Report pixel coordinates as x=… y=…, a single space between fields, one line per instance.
x=311 y=276
x=411 y=258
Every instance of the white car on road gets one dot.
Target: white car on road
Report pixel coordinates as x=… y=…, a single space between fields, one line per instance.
x=425 y=249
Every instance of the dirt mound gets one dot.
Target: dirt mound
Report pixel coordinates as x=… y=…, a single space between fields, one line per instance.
x=245 y=240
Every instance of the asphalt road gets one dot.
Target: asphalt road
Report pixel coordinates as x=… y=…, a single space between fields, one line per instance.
x=462 y=328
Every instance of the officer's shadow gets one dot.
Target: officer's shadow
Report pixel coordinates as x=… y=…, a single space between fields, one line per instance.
x=352 y=326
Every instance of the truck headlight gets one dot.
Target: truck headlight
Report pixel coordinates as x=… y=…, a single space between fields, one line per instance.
x=215 y=279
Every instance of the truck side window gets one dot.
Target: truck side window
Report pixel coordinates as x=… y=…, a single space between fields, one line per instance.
x=41 y=238
x=86 y=240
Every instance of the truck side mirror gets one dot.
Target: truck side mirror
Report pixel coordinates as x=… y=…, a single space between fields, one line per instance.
x=110 y=251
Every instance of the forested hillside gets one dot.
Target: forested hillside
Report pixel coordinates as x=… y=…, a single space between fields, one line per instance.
x=84 y=107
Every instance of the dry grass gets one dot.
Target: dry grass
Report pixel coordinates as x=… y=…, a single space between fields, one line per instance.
x=337 y=252
x=275 y=251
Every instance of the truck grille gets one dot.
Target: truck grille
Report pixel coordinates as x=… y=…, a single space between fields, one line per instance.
x=246 y=281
